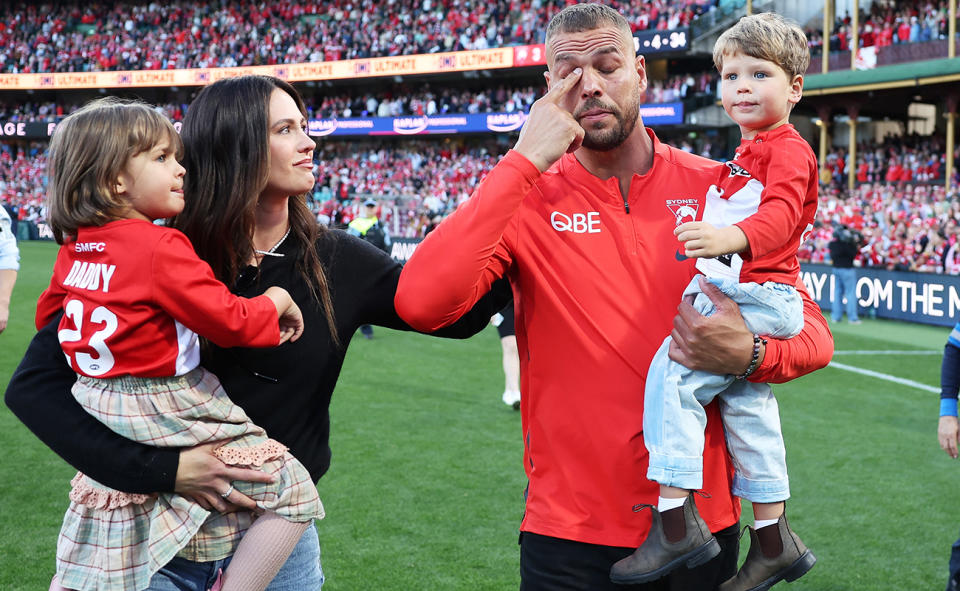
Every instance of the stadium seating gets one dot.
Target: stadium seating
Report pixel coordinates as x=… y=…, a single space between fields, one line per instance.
x=145 y=35
x=899 y=204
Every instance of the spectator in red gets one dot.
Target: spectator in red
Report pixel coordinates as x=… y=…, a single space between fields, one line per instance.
x=893 y=171
x=903 y=31
x=885 y=37
x=867 y=37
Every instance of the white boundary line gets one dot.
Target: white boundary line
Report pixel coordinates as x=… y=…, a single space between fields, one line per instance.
x=883 y=376
x=888 y=352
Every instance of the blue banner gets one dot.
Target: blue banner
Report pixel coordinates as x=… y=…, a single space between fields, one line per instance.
x=652 y=115
x=662 y=114
x=927 y=298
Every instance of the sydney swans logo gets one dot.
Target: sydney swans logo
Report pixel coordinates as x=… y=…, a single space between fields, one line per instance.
x=684 y=210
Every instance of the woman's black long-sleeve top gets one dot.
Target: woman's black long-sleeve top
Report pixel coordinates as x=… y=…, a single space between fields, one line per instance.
x=286 y=389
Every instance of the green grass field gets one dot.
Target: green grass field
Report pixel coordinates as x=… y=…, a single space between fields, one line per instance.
x=425 y=491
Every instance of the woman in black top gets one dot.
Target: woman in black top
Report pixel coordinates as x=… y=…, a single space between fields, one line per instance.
x=249 y=164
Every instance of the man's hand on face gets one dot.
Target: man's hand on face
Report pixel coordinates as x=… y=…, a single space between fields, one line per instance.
x=550 y=130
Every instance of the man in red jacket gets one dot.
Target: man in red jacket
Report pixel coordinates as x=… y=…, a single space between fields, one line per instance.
x=580 y=217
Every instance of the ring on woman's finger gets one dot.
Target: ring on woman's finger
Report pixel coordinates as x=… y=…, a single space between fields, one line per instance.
x=227 y=492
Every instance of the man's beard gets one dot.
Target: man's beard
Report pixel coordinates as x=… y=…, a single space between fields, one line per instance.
x=603 y=140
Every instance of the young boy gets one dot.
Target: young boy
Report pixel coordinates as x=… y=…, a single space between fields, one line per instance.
x=754 y=220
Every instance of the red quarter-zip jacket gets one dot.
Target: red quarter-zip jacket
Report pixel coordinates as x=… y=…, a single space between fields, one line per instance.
x=596 y=285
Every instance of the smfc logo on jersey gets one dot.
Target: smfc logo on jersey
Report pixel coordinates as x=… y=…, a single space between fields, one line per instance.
x=578 y=223
x=684 y=210
x=90 y=246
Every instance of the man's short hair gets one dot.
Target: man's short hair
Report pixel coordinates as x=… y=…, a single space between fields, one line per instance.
x=586 y=17
x=766 y=36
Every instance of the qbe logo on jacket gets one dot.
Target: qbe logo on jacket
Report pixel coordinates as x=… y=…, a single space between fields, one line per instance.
x=578 y=223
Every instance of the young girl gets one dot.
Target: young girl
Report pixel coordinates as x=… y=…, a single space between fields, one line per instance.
x=135 y=296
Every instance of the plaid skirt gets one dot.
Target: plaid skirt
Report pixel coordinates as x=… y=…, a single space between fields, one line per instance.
x=116 y=540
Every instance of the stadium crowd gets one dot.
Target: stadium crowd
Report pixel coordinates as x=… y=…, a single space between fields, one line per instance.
x=48 y=112
x=906 y=223
x=23 y=183
x=905 y=227
x=887 y=23
x=30 y=112
x=402 y=100
x=147 y=35
x=896 y=159
x=899 y=207
x=415 y=181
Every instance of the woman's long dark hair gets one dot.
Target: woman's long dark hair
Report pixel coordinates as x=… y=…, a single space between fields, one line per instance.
x=227 y=157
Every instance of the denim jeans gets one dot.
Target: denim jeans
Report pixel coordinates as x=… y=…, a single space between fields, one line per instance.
x=844 y=286
x=673 y=414
x=301 y=571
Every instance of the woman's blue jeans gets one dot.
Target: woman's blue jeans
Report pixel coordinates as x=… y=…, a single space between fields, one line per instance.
x=301 y=571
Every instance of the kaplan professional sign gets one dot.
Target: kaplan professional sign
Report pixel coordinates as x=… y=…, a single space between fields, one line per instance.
x=927 y=298
x=658 y=114
x=653 y=115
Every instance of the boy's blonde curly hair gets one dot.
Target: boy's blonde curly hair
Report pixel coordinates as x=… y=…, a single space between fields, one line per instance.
x=767 y=36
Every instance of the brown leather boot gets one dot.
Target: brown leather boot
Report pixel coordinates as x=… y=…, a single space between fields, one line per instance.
x=657 y=557
x=759 y=572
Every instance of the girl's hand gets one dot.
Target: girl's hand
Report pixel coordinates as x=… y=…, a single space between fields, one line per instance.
x=291 y=323
x=290 y=317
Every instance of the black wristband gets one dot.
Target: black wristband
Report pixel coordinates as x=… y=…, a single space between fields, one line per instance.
x=755 y=360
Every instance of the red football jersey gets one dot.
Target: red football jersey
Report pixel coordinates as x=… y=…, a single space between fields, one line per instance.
x=769 y=190
x=135 y=295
